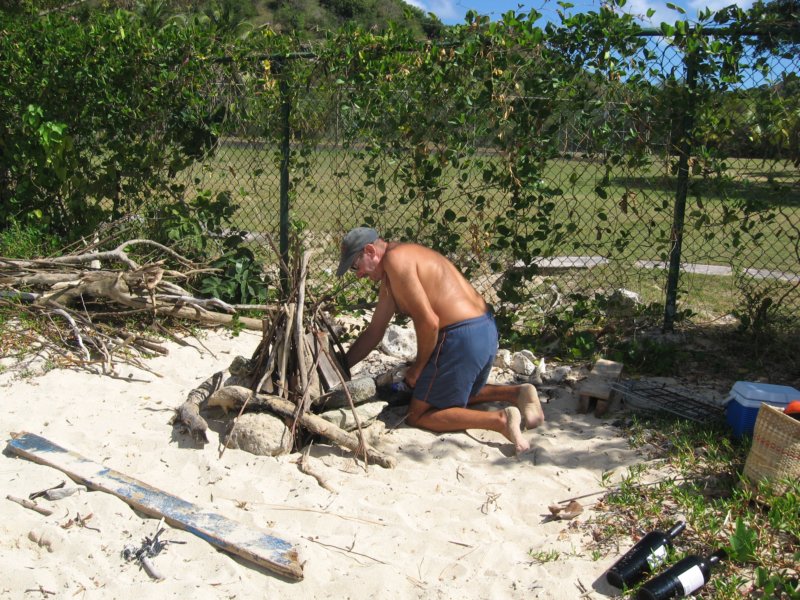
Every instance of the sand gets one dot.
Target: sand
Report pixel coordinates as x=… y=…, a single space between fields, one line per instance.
x=459 y=517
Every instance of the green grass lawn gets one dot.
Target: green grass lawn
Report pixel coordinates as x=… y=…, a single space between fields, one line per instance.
x=330 y=193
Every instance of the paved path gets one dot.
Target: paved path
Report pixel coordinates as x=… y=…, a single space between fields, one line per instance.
x=587 y=262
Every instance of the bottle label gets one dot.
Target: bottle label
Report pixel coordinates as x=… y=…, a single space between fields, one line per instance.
x=691 y=580
x=657 y=557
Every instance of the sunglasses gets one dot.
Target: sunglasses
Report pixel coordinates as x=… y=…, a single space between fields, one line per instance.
x=354 y=266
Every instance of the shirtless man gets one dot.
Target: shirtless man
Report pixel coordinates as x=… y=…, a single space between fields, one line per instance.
x=456 y=338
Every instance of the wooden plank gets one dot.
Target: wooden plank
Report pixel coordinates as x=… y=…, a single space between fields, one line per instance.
x=329 y=372
x=246 y=541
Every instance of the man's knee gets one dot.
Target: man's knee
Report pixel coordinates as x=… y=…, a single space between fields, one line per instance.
x=416 y=411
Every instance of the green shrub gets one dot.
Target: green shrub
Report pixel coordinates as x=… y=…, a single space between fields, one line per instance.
x=26 y=241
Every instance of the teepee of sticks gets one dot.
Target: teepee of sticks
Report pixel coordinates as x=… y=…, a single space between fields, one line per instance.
x=298 y=361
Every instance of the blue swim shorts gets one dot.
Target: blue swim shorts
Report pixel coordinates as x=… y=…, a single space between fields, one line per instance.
x=460 y=364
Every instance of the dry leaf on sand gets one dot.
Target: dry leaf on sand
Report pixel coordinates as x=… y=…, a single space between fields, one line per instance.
x=570 y=511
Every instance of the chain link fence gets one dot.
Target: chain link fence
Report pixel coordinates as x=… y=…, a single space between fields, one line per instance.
x=678 y=183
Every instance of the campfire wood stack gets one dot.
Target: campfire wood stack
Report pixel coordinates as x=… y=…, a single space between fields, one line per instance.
x=298 y=361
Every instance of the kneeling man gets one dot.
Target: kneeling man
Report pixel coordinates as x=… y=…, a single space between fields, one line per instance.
x=456 y=338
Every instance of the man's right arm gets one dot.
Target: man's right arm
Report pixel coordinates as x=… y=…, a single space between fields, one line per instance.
x=373 y=334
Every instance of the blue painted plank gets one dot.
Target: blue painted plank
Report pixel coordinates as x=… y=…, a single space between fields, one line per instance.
x=260 y=547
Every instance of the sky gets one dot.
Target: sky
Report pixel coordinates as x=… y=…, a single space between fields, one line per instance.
x=452 y=12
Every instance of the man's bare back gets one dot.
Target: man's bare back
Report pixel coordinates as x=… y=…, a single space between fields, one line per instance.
x=449 y=294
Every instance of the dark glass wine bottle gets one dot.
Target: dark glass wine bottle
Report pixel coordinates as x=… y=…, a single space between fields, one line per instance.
x=649 y=553
x=683 y=578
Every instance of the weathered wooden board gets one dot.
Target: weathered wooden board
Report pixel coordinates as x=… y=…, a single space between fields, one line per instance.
x=257 y=546
x=329 y=372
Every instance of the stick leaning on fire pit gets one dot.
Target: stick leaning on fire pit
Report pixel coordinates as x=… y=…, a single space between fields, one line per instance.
x=298 y=360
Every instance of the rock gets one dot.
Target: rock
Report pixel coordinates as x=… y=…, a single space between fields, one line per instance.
x=384 y=379
x=400 y=342
x=343 y=417
x=241 y=380
x=261 y=434
x=557 y=375
x=361 y=390
x=522 y=364
x=538 y=373
x=622 y=303
x=541 y=367
x=570 y=511
x=503 y=359
x=241 y=366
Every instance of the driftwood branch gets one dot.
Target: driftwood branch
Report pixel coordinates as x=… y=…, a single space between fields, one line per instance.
x=362 y=442
x=188 y=413
x=305 y=466
x=117 y=254
x=30 y=505
x=299 y=329
x=75 y=331
x=234 y=395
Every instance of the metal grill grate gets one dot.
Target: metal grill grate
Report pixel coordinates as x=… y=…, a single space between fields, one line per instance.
x=655 y=397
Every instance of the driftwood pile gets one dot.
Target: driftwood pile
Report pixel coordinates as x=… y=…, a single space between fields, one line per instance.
x=298 y=362
x=80 y=293
x=86 y=295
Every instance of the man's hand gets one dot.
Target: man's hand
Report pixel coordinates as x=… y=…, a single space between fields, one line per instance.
x=411 y=377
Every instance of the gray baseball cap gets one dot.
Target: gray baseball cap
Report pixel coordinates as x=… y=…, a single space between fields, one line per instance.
x=352 y=245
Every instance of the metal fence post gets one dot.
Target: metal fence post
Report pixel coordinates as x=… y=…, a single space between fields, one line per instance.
x=286 y=132
x=681 y=191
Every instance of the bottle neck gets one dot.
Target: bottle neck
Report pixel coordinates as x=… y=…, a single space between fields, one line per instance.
x=676 y=529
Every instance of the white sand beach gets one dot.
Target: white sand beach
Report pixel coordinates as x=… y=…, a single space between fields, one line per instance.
x=459 y=517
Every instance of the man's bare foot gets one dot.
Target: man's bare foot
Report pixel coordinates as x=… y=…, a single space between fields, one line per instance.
x=529 y=405
x=513 y=430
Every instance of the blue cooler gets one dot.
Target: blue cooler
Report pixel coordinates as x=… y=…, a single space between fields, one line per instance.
x=745 y=399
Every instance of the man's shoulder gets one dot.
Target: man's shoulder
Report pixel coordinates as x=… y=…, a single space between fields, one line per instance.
x=405 y=249
x=405 y=255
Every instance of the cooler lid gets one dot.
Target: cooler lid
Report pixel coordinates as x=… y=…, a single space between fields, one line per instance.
x=764 y=392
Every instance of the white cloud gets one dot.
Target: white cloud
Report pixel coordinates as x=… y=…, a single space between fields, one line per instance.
x=639 y=8
x=662 y=14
